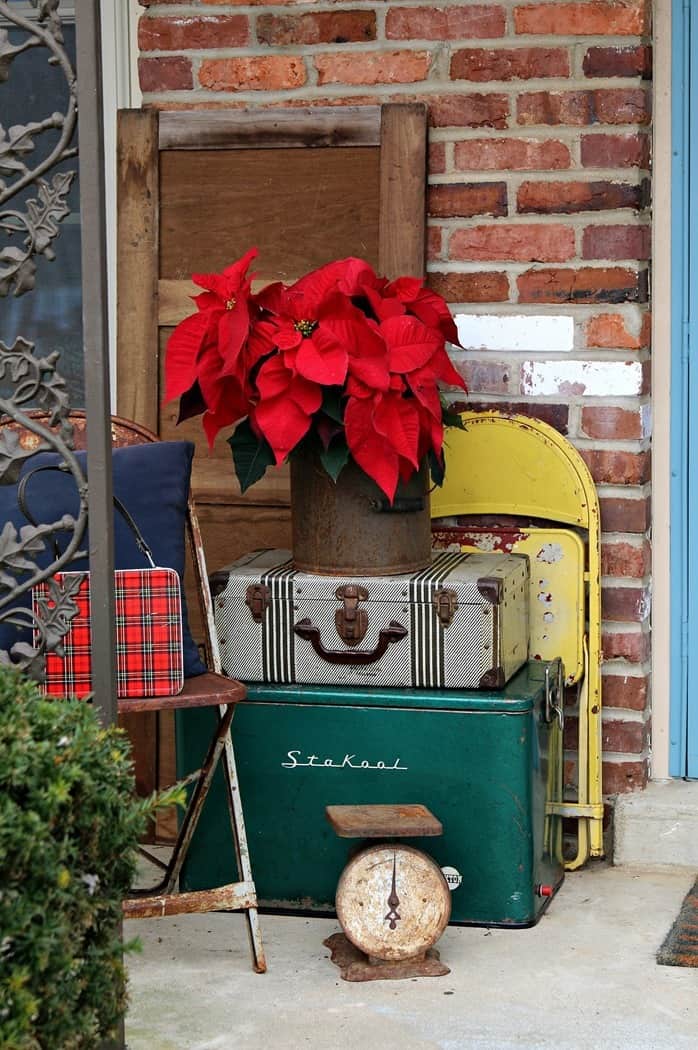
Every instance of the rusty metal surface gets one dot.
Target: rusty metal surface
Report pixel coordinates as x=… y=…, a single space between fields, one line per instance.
x=205 y=690
x=356 y=966
x=351 y=620
x=389 y=635
x=346 y=528
x=557 y=600
x=233 y=897
x=380 y=821
x=393 y=902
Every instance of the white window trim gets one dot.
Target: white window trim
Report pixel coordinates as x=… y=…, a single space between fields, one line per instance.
x=120 y=90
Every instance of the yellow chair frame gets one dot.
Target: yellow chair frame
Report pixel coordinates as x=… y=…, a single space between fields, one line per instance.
x=512 y=465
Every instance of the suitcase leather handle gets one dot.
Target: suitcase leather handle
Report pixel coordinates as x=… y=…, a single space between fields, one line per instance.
x=394 y=632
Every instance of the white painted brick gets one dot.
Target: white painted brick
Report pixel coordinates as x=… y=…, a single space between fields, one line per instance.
x=582 y=378
x=524 y=332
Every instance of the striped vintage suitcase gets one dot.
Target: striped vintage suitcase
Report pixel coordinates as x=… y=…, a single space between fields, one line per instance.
x=462 y=622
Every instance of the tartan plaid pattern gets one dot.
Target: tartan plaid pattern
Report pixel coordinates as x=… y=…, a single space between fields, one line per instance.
x=149 y=656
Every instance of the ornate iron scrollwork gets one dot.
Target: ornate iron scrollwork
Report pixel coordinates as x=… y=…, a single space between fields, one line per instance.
x=27 y=379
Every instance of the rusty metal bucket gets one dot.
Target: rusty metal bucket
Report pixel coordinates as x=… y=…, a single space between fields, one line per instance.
x=350 y=528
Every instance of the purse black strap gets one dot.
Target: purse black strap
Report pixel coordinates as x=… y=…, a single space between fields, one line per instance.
x=22 y=503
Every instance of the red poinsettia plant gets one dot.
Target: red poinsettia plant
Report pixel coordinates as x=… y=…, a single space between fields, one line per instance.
x=342 y=360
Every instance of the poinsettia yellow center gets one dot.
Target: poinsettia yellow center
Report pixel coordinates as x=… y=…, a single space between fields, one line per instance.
x=231 y=304
x=306 y=328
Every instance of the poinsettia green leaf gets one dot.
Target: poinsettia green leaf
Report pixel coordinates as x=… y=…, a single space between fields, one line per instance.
x=450 y=418
x=437 y=467
x=251 y=454
x=334 y=458
x=332 y=403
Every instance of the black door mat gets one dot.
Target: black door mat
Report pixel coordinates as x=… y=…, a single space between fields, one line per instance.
x=680 y=947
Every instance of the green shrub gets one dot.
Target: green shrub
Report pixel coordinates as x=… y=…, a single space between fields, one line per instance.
x=69 y=827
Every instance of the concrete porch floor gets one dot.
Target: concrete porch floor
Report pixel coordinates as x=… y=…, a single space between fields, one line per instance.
x=585 y=976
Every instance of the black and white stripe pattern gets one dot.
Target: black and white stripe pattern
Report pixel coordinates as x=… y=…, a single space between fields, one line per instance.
x=426 y=632
x=278 y=639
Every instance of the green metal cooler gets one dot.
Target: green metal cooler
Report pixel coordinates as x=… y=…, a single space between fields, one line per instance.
x=486 y=763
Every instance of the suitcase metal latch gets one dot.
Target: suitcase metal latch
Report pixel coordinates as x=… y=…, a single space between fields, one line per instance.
x=445 y=602
x=351 y=620
x=258 y=597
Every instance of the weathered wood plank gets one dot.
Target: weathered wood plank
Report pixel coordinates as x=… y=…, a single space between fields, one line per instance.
x=254 y=128
x=301 y=208
x=406 y=820
x=229 y=531
x=402 y=189
x=137 y=266
x=175 y=303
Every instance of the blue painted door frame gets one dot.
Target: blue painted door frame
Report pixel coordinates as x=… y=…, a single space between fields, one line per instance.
x=684 y=393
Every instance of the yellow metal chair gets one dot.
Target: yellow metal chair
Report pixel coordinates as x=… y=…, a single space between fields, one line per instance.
x=506 y=467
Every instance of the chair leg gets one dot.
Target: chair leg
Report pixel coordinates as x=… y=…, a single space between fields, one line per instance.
x=193 y=811
x=237 y=823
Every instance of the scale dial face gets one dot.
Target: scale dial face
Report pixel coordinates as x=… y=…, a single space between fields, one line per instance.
x=393 y=902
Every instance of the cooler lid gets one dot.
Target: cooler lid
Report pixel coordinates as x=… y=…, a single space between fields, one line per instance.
x=519 y=696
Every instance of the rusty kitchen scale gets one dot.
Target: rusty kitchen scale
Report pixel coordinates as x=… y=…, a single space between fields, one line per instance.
x=393 y=901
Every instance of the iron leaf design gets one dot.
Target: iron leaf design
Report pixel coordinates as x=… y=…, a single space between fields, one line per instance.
x=18 y=548
x=12 y=455
x=57 y=609
x=36 y=380
x=45 y=213
x=16 y=268
x=16 y=141
x=8 y=51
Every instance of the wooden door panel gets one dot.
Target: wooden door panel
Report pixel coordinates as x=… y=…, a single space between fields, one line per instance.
x=216 y=205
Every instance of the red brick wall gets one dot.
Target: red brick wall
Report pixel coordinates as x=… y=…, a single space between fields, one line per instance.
x=538 y=206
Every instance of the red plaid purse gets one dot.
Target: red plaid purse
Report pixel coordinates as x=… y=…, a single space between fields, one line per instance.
x=149 y=651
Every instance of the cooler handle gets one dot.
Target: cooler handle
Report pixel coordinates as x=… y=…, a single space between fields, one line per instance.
x=394 y=632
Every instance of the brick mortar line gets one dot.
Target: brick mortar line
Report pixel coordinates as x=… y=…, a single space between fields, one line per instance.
x=631 y=715
x=422 y=90
x=632 y=539
x=619 y=668
x=629 y=176
x=613 y=715
x=575 y=262
x=639 y=493
x=576 y=354
x=627 y=310
x=625 y=627
x=617 y=758
x=567 y=133
x=574 y=220
x=520 y=268
x=627 y=583
x=580 y=356
x=453 y=175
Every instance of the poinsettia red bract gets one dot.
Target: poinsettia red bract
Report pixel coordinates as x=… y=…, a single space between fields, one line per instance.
x=342 y=355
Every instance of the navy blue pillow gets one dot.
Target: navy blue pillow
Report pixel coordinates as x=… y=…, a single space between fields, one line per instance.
x=152 y=481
